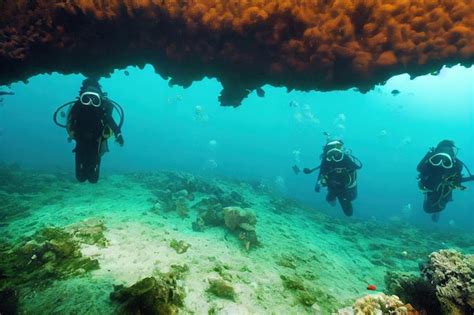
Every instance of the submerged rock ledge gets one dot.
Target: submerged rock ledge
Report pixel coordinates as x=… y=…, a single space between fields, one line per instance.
x=305 y=45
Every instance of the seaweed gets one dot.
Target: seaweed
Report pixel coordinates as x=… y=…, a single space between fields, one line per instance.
x=307 y=295
x=180 y=247
x=160 y=296
x=222 y=289
x=52 y=253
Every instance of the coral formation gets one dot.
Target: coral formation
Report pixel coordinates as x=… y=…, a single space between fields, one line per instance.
x=379 y=304
x=446 y=287
x=318 y=44
x=239 y=221
x=452 y=275
x=243 y=222
x=222 y=289
x=414 y=290
x=151 y=295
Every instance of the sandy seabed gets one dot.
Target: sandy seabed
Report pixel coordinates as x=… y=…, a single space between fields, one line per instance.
x=333 y=259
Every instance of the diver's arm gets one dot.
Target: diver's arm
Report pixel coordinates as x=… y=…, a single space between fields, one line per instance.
x=113 y=125
x=351 y=164
x=421 y=168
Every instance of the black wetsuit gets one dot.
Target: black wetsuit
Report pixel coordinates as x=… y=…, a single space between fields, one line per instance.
x=341 y=181
x=88 y=126
x=438 y=183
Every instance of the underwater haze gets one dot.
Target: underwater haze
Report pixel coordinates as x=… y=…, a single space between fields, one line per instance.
x=201 y=211
x=171 y=128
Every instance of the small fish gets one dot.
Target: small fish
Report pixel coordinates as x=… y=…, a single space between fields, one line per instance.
x=6 y=93
x=371 y=287
x=395 y=92
x=260 y=92
x=294 y=104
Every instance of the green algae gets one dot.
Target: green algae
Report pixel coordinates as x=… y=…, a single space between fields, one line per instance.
x=153 y=295
x=180 y=247
x=308 y=294
x=51 y=253
x=178 y=271
x=292 y=282
x=90 y=232
x=287 y=261
x=222 y=270
x=221 y=289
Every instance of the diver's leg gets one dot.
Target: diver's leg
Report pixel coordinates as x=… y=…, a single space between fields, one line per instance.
x=433 y=202
x=345 y=200
x=81 y=173
x=94 y=165
x=94 y=172
x=435 y=217
x=331 y=196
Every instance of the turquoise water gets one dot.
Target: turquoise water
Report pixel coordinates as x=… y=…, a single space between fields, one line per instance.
x=257 y=140
x=65 y=246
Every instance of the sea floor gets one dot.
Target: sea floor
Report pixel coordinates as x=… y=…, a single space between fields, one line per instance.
x=302 y=257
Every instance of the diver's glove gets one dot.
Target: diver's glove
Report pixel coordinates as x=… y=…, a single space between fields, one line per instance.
x=317 y=188
x=119 y=139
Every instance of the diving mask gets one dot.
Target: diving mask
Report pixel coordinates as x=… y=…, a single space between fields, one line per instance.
x=441 y=159
x=91 y=98
x=335 y=155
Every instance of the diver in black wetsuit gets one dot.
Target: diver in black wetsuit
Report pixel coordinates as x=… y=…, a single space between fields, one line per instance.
x=338 y=172
x=90 y=123
x=440 y=173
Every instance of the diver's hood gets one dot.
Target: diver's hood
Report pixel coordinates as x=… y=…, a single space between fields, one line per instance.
x=447 y=149
x=92 y=89
x=333 y=144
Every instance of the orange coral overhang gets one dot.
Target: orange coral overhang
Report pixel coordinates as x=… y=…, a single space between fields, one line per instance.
x=300 y=44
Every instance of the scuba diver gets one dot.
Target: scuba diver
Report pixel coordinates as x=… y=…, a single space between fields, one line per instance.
x=439 y=174
x=90 y=124
x=338 y=172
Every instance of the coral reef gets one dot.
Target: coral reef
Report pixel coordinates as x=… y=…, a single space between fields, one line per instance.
x=323 y=45
x=446 y=287
x=222 y=289
x=414 y=290
x=151 y=295
x=452 y=274
x=239 y=221
x=242 y=221
x=379 y=304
